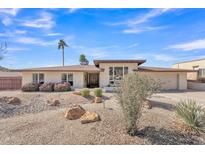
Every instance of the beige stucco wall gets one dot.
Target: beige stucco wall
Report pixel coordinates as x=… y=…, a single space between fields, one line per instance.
x=104 y=76
x=169 y=79
x=189 y=65
x=78 y=77
x=9 y=74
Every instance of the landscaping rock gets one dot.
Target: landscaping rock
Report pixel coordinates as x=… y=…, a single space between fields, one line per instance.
x=98 y=99
x=147 y=104
x=76 y=93
x=11 y=100
x=54 y=102
x=89 y=117
x=14 y=101
x=74 y=112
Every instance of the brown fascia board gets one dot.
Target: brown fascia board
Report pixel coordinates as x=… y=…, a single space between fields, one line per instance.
x=38 y=70
x=165 y=70
x=97 y=62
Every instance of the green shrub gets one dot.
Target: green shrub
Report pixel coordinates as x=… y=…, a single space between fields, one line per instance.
x=85 y=92
x=98 y=92
x=192 y=115
x=132 y=92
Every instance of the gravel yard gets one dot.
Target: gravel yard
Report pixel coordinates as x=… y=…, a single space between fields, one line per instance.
x=48 y=125
x=36 y=102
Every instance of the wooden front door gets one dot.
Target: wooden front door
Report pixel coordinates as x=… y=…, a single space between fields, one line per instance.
x=93 y=80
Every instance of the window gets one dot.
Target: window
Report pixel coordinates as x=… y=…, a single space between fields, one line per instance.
x=70 y=79
x=201 y=73
x=38 y=78
x=41 y=78
x=116 y=74
x=125 y=70
x=64 y=77
x=67 y=78
x=35 y=78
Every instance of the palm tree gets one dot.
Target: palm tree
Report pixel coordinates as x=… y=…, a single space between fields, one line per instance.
x=61 y=45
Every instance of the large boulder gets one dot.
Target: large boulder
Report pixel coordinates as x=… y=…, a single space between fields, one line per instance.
x=74 y=112
x=147 y=104
x=53 y=102
x=89 y=117
x=11 y=100
x=76 y=93
x=98 y=100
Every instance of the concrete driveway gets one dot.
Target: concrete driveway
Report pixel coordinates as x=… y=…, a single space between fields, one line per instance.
x=199 y=96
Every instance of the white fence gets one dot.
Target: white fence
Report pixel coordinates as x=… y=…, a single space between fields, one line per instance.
x=196 y=85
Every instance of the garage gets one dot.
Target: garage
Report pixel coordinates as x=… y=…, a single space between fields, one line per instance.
x=171 y=79
x=10 y=80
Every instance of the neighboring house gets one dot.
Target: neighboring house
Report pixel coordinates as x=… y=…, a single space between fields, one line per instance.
x=198 y=65
x=9 y=79
x=104 y=73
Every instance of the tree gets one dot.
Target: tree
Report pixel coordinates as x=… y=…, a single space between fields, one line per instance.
x=61 y=45
x=132 y=92
x=3 y=47
x=83 y=60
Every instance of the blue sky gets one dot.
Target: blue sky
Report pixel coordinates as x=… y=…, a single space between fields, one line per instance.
x=161 y=36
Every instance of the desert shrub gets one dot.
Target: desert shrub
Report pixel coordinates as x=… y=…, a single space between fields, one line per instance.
x=85 y=92
x=46 y=87
x=192 y=115
x=132 y=92
x=98 y=92
x=61 y=87
x=30 y=87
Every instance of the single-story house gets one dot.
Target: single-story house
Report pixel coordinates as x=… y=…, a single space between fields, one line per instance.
x=104 y=73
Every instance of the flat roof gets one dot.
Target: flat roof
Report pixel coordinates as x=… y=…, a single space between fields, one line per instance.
x=71 y=68
x=161 y=69
x=189 y=61
x=97 y=62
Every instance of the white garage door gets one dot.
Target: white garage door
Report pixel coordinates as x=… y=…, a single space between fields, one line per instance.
x=169 y=80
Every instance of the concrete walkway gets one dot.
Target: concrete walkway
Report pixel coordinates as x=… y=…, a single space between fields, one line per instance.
x=199 y=96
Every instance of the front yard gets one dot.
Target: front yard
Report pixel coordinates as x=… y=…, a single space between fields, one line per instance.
x=34 y=122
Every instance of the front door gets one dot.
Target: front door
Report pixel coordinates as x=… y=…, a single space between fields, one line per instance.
x=93 y=80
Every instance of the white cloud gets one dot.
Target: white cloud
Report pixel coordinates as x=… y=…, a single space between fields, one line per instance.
x=137 y=24
x=45 y=21
x=73 y=10
x=146 y=17
x=7 y=14
x=133 y=45
x=165 y=58
x=7 y=21
x=54 y=34
x=193 y=45
x=17 y=49
x=13 y=33
x=142 y=18
x=12 y=12
x=39 y=41
x=137 y=30
x=32 y=40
